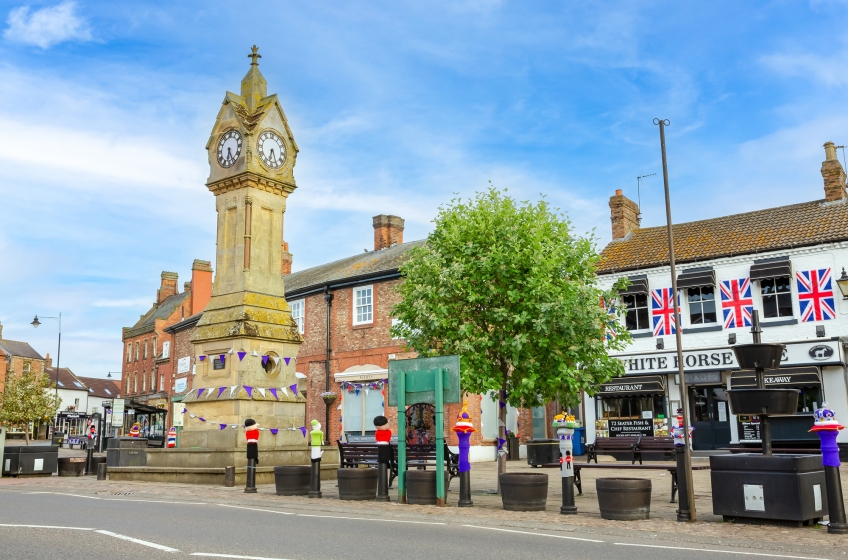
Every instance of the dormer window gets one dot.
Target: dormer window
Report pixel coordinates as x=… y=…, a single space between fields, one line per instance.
x=699 y=286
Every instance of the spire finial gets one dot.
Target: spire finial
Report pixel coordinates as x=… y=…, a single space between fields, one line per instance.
x=254 y=55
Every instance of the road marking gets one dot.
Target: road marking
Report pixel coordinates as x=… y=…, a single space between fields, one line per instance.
x=64 y=494
x=371 y=519
x=47 y=527
x=153 y=501
x=770 y=555
x=211 y=554
x=536 y=534
x=257 y=509
x=137 y=541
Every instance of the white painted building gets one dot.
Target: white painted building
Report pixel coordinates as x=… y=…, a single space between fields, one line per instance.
x=788 y=258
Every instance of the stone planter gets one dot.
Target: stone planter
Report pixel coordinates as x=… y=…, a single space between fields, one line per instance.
x=524 y=491
x=421 y=487
x=357 y=484
x=71 y=466
x=624 y=499
x=292 y=480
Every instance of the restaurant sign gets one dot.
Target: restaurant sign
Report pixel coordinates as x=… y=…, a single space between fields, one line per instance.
x=796 y=353
x=646 y=384
x=633 y=427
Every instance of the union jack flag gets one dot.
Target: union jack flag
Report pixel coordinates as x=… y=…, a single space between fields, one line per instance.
x=736 y=303
x=611 y=328
x=815 y=295
x=662 y=311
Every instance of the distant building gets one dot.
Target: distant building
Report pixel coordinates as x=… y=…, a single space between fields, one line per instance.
x=16 y=358
x=146 y=370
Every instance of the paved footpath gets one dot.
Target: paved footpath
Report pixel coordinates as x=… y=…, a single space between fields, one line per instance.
x=157 y=503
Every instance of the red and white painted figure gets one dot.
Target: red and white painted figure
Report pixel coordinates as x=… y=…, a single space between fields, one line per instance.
x=172 y=437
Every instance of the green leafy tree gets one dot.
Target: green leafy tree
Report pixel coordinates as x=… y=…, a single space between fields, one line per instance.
x=509 y=288
x=28 y=398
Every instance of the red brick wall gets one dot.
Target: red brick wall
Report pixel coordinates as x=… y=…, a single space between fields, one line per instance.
x=14 y=367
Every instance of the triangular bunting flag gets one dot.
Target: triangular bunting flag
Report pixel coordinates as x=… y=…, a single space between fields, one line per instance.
x=185 y=410
x=501 y=442
x=230 y=351
x=234 y=426
x=223 y=358
x=286 y=391
x=261 y=391
x=201 y=418
x=264 y=360
x=274 y=431
x=193 y=415
x=293 y=388
x=249 y=391
x=303 y=429
x=276 y=360
x=201 y=357
x=220 y=390
x=233 y=389
x=274 y=392
x=501 y=404
x=287 y=360
x=209 y=392
x=500 y=423
x=223 y=426
x=200 y=392
x=241 y=355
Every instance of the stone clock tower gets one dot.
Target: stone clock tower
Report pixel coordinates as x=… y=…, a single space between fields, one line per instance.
x=246 y=343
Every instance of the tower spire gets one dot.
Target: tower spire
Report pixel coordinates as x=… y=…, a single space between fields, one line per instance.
x=253 y=86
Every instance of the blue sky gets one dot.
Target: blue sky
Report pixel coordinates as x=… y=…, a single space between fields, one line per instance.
x=395 y=106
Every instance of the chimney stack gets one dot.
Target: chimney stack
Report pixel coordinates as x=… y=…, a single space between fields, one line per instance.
x=388 y=231
x=201 y=285
x=48 y=362
x=624 y=214
x=833 y=174
x=168 y=287
x=287 y=259
x=1 y=331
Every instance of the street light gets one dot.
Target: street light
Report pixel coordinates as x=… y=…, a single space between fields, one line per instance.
x=686 y=511
x=842 y=282
x=35 y=323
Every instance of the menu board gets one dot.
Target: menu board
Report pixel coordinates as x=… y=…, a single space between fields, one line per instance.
x=660 y=427
x=633 y=427
x=750 y=431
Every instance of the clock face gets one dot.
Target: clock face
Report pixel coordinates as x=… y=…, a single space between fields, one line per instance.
x=272 y=150
x=229 y=148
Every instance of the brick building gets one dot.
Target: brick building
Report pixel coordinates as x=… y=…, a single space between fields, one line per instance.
x=343 y=311
x=17 y=357
x=183 y=360
x=147 y=365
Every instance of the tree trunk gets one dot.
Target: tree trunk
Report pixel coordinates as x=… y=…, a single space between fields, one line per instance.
x=26 y=434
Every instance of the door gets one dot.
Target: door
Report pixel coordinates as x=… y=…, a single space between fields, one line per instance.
x=710 y=417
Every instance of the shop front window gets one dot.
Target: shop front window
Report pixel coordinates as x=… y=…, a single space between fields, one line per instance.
x=809 y=398
x=359 y=410
x=627 y=415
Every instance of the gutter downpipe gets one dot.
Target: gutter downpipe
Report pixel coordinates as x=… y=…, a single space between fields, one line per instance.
x=328 y=298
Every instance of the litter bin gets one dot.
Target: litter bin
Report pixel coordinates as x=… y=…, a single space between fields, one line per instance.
x=579 y=441
x=542 y=452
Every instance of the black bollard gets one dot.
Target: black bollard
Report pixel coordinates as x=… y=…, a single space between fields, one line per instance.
x=101 y=471
x=835 y=505
x=89 y=452
x=568 y=507
x=465 y=489
x=229 y=477
x=315 y=481
x=684 y=513
x=383 y=483
x=250 y=486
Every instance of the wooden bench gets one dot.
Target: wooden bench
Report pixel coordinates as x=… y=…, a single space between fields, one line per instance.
x=605 y=446
x=656 y=444
x=672 y=469
x=352 y=455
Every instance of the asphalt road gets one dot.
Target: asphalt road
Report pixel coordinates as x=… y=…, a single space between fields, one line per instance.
x=70 y=527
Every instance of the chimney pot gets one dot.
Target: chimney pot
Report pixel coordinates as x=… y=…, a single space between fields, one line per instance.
x=624 y=215
x=388 y=231
x=833 y=174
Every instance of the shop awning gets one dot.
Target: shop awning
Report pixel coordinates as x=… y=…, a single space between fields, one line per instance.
x=140 y=408
x=696 y=278
x=638 y=285
x=771 y=268
x=783 y=377
x=634 y=385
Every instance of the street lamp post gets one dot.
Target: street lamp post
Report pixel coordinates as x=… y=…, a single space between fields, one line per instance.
x=686 y=511
x=35 y=323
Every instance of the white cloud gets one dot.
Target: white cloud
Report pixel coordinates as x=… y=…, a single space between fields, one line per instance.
x=830 y=71
x=126 y=302
x=46 y=27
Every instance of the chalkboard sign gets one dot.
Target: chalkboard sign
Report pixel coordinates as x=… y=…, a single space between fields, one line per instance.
x=636 y=427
